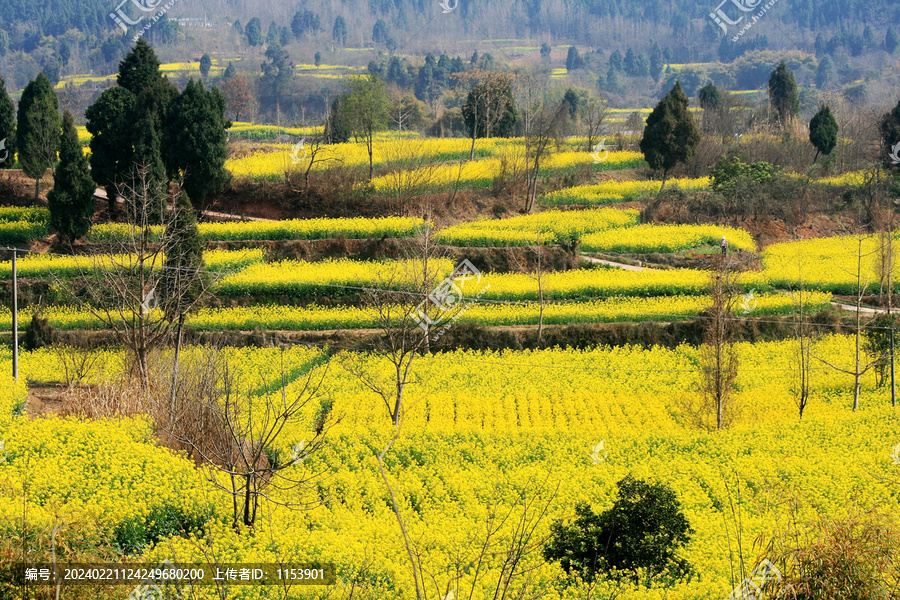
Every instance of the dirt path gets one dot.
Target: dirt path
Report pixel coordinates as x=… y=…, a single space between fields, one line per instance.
x=863 y=309
x=600 y=261
x=100 y=194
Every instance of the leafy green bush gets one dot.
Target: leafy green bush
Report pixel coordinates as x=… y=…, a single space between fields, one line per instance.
x=136 y=533
x=637 y=538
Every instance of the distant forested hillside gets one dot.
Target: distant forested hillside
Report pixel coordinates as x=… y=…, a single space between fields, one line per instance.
x=27 y=21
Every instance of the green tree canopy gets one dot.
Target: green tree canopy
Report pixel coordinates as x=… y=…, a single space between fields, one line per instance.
x=37 y=136
x=710 y=98
x=196 y=146
x=365 y=107
x=139 y=69
x=71 y=201
x=183 y=280
x=783 y=93
x=671 y=135
x=823 y=132
x=490 y=108
x=145 y=199
x=110 y=126
x=205 y=65
x=641 y=534
x=7 y=128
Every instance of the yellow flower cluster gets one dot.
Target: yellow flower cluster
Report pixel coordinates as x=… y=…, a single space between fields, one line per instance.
x=616 y=309
x=615 y=192
x=605 y=283
x=666 y=238
x=540 y=228
x=250 y=131
x=12 y=395
x=336 y=277
x=839 y=264
x=289 y=229
x=63 y=267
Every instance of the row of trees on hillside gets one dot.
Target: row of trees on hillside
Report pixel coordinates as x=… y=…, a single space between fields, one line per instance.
x=143 y=130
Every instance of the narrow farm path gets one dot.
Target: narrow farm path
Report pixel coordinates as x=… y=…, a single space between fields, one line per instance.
x=100 y=193
x=610 y=263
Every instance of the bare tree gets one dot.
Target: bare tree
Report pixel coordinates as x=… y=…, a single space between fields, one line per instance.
x=593 y=113
x=864 y=269
x=241 y=436
x=718 y=358
x=543 y=125
x=124 y=289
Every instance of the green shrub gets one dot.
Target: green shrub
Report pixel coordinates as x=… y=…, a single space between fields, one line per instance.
x=637 y=538
x=136 y=533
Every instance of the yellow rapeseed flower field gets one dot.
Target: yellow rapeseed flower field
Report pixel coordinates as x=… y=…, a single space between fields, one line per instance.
x=614 y=192
x=544 y=227
x=666 y=238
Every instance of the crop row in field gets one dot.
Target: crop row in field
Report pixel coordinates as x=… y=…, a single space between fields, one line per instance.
x=316 y=318
x=292 y=229
x=337 y=277
x=666 y=238
x=541 y=228
x=20 y=225
x=481 y=174
x=483 y=434
x=65 y=267
x=616 y=192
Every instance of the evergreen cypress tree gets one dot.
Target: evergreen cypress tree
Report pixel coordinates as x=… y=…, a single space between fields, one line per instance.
x=139 y=70
x=7 y=129
x=783 y=93
x=71 y=200
x=196 y=143
x=183 y=280
x=823 y=132
x=146 y=204
x=656 y=62
x=109 y=121
x=37 y=136
x=671 y=136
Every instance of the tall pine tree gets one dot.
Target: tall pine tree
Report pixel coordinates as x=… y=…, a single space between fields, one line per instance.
x=671 y=135
x=37 y=137
x=109 y=121
x=71 y=200
x=7 y=129
x=146 y=199
x=823 y=132
x=196 y=146
x=783 y=94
